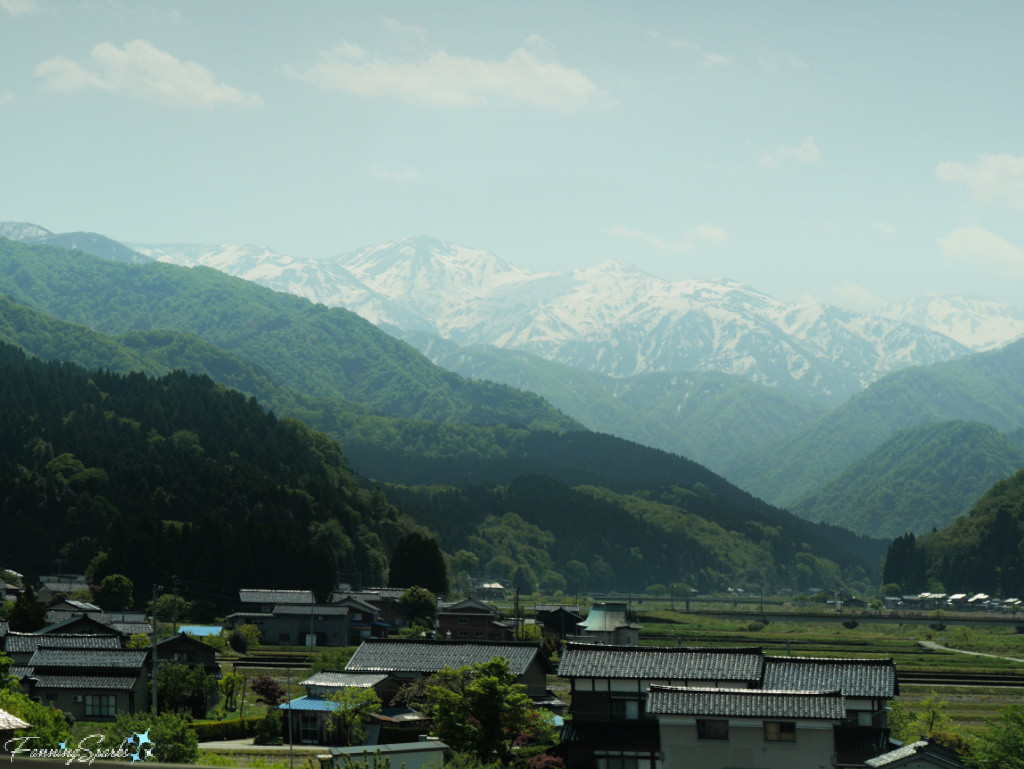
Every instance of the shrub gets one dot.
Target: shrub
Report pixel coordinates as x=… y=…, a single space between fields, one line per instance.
x=236 y=729
x=269 y=730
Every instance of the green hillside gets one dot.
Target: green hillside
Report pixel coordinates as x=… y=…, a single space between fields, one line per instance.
x=921 y=478
x=986 y=388
x=982 y=551
x=151 y=477
x=710 y=418
x=308 y=348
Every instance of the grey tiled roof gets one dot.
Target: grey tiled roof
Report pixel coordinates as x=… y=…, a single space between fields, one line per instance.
x=119 y=683
x=9 y=723
x=344 y=678
x=20 y=671
x=421 y=656
x=132 y=628
x=895 y=755
x=262 y=596
x=750 y=703
x=107 y=659
x=661 y=663
x=24 y=643
x=310 y=609
x=853 y=677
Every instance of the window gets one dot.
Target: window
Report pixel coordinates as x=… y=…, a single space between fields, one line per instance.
x=463 y=620
x=625 y=709
x=780 y=731
x=99 y=704
x=309 y=728
x=478 y=634
x=712 y=729
x=284 y=637
x=463 y=634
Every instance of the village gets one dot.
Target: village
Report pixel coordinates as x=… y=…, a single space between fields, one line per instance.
x=603 y=699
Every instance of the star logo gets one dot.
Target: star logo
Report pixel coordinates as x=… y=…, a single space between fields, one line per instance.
x=142 y=740
x=63 y=746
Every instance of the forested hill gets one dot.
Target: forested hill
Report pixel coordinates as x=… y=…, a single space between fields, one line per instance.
x=982 y=551
x=920 y=479
x=987 y=388
x=309 y=348
x=175 y=475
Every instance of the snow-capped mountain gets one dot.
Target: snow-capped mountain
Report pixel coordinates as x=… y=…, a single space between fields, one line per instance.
x=980 y=324
x=612 y=318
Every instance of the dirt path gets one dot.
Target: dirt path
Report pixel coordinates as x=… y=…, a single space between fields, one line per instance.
x=941 y=648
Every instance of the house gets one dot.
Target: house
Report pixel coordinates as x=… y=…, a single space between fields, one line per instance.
x=21 y=646
x=293 y=617
x=610 y=687
x=926 y=754
x=867 y=686
x=558 y=620
x=190 y=652
x=125 y=624
x=609 y=623
x=613 y=719
x=389 y=613
x=745 y=727
x=309 y=714
x=472 y=620
x=263 y=601
x=411 y=658
x=88 y=684
x=54 y=585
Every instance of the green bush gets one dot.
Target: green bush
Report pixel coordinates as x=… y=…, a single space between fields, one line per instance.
x=269 y=729
x=235 y=729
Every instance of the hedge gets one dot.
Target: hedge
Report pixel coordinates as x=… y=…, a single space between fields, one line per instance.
x=237 y=729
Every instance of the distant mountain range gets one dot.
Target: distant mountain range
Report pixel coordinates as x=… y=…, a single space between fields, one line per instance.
x=786 y=400
x=615 y=319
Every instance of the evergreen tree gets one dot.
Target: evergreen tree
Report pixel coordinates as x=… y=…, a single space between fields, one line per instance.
x=417 y=560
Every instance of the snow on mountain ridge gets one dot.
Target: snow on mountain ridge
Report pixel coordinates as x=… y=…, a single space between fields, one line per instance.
x=613 y=317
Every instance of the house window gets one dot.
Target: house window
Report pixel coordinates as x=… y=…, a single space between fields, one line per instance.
x=284 y=637
x=712 y=729
x=463 y=634
x=463 y=620
x=309 y=728
x=478 y=634
x=628 y=710
x=99 y=705
x=780 y=731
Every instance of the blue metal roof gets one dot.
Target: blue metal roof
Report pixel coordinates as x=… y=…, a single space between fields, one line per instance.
x=310 y=704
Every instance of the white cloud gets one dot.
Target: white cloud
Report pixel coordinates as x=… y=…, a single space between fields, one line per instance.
x=6 y=97
x=446 y=80
x=143 y=71
x=806 y=152
x=702 y=232
x=406 y=176
x=991 y=178
x=857 y=297
x=778 y=62
x=704 y=57
x=984 y=249
x=19 y=7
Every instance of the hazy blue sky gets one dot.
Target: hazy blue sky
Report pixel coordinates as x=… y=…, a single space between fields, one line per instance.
x=851 y=151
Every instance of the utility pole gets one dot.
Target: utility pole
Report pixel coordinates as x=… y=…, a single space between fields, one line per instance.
x=517 y=613
x=155 y=638
x=175 y=612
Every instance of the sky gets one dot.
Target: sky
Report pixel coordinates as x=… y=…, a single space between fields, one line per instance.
x=858 y=153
